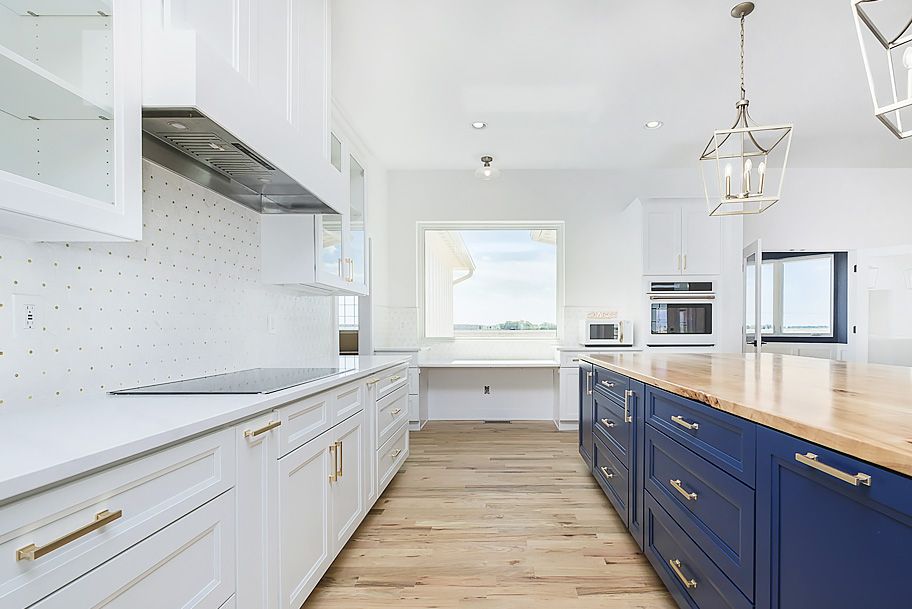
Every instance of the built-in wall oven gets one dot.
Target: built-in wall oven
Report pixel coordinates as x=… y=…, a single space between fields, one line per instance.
x=681 y=314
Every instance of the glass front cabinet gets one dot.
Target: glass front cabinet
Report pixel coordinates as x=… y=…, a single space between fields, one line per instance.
x=70 y=108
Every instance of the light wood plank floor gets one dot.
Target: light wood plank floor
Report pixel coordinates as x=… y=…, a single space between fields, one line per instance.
x=492 y=516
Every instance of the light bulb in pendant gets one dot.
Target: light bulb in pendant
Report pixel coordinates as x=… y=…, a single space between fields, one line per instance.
x=728 y=180
x=761 y=170
x=748 y=165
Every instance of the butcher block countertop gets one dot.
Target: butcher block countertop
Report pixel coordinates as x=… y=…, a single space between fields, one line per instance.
x=862 y=410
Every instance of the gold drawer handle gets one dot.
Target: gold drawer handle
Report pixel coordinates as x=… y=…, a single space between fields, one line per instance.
x=812 y=460
x=607 y=384
x=252 y=433
x=608 y=474
x=334 y=476
x=339 y=455
x=677 y=486
x=396 y=452
x=33 y=552
x=393 y=379
x=373 y=382
x=607 y=423
x=685 y=424
x=676 y=567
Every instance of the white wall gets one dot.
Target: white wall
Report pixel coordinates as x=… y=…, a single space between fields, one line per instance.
x=185 y=301
x=516 y=394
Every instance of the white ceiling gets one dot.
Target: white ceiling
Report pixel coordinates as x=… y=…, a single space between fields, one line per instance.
x=570 y=83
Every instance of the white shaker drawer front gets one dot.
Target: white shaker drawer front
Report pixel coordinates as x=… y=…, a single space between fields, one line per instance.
x=390 y=457
x=392 y=413
x=50 y=539
x=188 y=564
x=347 y=401
x=304 y=420
x=391 y=380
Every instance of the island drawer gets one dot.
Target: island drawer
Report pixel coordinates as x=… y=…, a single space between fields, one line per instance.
x=612 y=476
x=392 y=413
x=611 y=426
x=391 y=455
x=387 y=381
x=51 y=538
x=610 y=382
x=691 y=577
x=714 y=508
x=724 y=440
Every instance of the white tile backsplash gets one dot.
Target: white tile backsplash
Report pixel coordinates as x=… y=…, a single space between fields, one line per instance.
x=185 y=301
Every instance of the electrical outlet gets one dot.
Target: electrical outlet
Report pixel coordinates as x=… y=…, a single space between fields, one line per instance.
x=270 y=324
x=27 y=313
x=487 y=390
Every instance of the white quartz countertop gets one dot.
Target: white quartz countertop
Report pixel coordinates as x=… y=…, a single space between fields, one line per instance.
x=427 y=362
x=45 y=444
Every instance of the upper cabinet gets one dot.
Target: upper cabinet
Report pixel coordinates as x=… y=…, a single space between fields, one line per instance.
x=680 y=238
x=260 y=69
x=70 y=155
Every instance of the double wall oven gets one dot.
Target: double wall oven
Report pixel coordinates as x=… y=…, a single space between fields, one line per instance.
x=681 y=314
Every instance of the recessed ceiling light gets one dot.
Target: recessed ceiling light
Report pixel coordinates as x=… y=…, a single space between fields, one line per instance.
x=653 y=124
x=479 y=125
x=177 y=125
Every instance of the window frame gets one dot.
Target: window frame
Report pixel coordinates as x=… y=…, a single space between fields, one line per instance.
x=423 y=227
x=838 y=298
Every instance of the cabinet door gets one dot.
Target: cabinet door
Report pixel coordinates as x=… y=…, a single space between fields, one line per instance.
x=348 y=490
x=330 y=259
x=636 y=400
x=586 y=414
x=701 y=241
x=356 y=241
x=188 y=564
x=257 y=511
x=823 y=542
x=662 y=240
x=569 y=394
x=305 y=523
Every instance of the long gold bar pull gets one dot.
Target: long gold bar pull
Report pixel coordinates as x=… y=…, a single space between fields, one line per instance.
x=339 y=456
x=676 y=567
x=685 y=424
x=676 y=484
x=33 y=552
x=335 y=468
x=812 y=460
x=252 y=433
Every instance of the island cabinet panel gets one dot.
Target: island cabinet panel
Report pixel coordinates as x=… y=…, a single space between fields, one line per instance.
x=636 y=414
x=725 y=440
x=713 y=508
x=826 y=538
x=613 y=477
x=611 y=426
x=586 y=413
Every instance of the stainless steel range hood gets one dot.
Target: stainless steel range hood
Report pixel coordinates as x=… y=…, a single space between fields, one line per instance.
x=189 y=143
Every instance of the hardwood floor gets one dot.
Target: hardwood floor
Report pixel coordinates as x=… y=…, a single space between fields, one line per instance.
x=492 y=516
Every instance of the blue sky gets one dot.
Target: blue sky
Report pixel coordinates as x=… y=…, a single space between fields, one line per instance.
x=515 y=278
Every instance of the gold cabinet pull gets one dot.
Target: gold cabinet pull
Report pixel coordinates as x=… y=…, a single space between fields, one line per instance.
x=812 y=460
x=334 y=476
x=339 y=457
x=395 y=378
x=685 y=424
x=607 y=384
x=33 y=552
x=588 y=383
x=607 y=423
x=677 y=486
x=606 y=472
x=395 y=453
x=395 y=411
x=252 y=433
x=627 y=395
x=676 y=567
x=373 y=381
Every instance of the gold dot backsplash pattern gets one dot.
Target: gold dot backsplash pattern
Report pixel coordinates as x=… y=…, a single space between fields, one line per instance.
x=185 y=301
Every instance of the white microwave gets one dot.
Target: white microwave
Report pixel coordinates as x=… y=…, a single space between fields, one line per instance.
x=600 y=332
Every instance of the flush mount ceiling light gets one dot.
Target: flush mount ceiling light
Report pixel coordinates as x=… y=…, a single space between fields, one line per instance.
x=486 y=172
x=743 y=167
x=479 y=125
x=653 y=124
x=890 y=76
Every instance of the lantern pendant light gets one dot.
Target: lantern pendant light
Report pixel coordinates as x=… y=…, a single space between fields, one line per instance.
x=885 y=31
x=743 y=167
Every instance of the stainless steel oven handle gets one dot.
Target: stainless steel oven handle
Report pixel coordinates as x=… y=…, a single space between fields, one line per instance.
x=682 y=297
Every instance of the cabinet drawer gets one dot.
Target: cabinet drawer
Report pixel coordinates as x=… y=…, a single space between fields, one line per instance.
x=303 y=421
x=689 y=574
x=148 y=494
x=714 y=508
x=610 y=382
x=392 y=413
x=613 y=430
x=612 y=476
x=189 y=564
x=391 y=455
x=391 y=380
x=724 y=440
x=570 y=359
x=347 y=401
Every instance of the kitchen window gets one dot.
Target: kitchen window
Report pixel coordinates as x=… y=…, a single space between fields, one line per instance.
x=804 y=297
x=492 y=280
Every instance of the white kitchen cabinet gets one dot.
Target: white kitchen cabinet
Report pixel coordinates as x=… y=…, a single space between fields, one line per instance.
x=257 y=511
x=188 y=564
x=349 y=488
x=305 y=540
x=681 y=238
x=568 y=415
x=70 y=114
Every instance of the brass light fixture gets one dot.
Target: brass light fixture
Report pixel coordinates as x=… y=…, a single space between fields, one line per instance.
x=885 y=31
x=744 y=166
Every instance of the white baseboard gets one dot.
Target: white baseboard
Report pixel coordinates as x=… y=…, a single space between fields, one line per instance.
x=566 y=425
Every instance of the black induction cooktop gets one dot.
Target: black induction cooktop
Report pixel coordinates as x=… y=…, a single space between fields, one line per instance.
x=255 y=380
